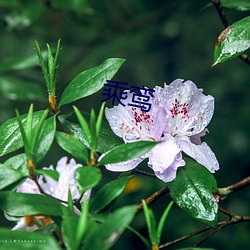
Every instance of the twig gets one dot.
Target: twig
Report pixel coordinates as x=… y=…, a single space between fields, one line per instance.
x=235 y=220
x=223 y=192
x=226 y=23
x=152 y=198
x=144 y=173
x=224 y=211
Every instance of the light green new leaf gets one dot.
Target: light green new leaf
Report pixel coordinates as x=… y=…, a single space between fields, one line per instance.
x=87 y=177
x=90 y=81
x=10 y=136
x=108 y=193
x=193 y=191
x=126 y=152
x=105 y=235
x=16 y=240
x=233 y=41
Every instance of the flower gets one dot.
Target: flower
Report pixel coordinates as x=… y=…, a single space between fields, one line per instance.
x=58 y=189
x=178 y=117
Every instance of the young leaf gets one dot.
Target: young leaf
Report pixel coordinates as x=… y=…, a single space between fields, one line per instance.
x=90 y=81
x=16 y=240
x=31 y=204
x=143 y=239
x=107 y=138
x=99 y=121
x=108 y=193
x=92 y=127
x=162 y=221
x=84 y=125
x=53 y=174
x=87 y=177
x=127 y=152
x=232 y=41
x=73 y=146
x=10 y=136
x=193 y=191
x=105 y=235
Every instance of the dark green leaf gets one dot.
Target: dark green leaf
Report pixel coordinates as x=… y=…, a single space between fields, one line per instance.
x=241 y=5
x=9 y=175
x=193 y=191
x=105 y=235
x=87 y=177
x=127 y=152
x=107 y=139
x=20 y=204
x=10 y=136
x=16 y=240
x=108 y=193
x=18 y=162
x=78 y=6
x=90 y=81
x=233 y=41
x=73 y=146
x=19 y=90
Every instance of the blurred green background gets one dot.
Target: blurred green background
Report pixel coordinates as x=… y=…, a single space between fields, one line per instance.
x=161 y=41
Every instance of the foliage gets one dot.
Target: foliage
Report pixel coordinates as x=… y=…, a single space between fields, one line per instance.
x=102 y=211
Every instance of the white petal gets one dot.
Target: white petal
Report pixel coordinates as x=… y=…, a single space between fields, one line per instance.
x=124 y=166
x=165 y=158
x=201 y=153
x=28 y=186
x=21 y=225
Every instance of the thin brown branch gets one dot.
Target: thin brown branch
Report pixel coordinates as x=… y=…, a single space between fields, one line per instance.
x=226 y=23
x=224 y=211
x=152 y=198
x=235 y=220
x=223 y=192
x=144 y=173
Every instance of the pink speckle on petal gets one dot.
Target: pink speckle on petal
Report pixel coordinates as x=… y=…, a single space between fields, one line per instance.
x=179 y=109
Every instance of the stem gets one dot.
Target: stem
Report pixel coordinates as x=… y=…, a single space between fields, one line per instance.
x=224 y=192
x=144 y=173
x=152 y=198
x=226 y=23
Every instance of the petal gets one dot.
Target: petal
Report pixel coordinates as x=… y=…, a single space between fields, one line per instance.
x=201 y=153
x=189 y=110
x=125 y=166
x=28 y=186
x=165 y=158
x=21 y=225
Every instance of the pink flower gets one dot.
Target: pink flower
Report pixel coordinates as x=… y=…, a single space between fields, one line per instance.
x=178 y=117
x=58 y=189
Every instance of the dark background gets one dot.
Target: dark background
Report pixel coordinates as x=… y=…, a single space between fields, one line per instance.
x=161 y=41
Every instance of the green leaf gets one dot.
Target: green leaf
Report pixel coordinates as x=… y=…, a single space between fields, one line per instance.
x=107 y=139
x=10 y=136
x=232 y=41
x=53 y=174
x=90 y=81
x=162 y=221
x=105 y=235
x=108 y=193
x=87 y=177
x=151 y=223
x=127 y=152
x=195 y=248
x=241 y=5
x=16 y=240
x=92 y=127
x=99 y=121
x=20 y=204
x=193 y=191
x=8 y=176
x=46 y=137
x=19 y=90
x=18 y=162
x=73 y=146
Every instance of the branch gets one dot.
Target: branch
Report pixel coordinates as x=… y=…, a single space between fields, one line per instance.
x=144 y=173
x=223 y=192
x=226 y=23
x=235 y=220
x=152 y=198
